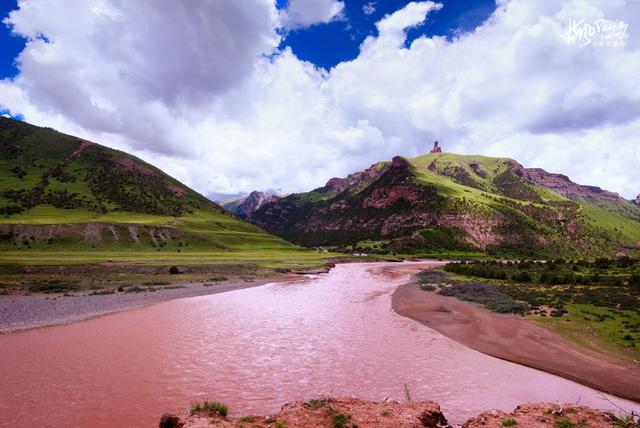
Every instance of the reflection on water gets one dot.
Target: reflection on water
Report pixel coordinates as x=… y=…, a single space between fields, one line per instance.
x=256 y=349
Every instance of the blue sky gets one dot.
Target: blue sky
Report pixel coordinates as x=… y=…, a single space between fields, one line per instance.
x=324 y=45
x=221 y=94
x=11 y=45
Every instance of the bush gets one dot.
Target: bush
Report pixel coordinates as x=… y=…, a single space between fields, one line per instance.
x=509 y=422
x=54 y=286
x=173 y=270
x=169 y=421
x=340 y=420
x=210 y=406
x=564 y=423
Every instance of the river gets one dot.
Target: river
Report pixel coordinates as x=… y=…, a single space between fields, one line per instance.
x=255 y=349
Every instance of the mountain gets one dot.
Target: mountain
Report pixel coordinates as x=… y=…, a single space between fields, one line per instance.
x=61 y=192
x=244 y=206
x=449 y=202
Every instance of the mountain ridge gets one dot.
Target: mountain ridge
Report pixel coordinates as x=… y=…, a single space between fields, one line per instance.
x=59 y=192
x=445 y=201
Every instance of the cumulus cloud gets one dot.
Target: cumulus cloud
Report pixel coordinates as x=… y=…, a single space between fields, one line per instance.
x=224 y=113
x=305 y=13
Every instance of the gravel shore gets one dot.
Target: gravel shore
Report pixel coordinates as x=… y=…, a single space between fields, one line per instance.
x=26 y=312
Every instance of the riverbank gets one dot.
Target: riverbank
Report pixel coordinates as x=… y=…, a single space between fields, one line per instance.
x=352 y=412
x=19 y=312
x=512 y=338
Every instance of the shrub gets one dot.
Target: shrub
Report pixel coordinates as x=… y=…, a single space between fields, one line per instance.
x=54 y=286
x=210 y=406
x=169 y=421
x=509 y=422
x=314 y=403
x=564 y=423
x=173 y=270
x=340 y=420
x=101 y=292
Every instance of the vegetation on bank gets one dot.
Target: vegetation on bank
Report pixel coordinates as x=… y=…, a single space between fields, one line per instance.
x=210 y=406
x=594 y=303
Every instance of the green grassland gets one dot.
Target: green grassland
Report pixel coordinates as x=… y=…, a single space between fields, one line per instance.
x=65 y=201
x=596 y=304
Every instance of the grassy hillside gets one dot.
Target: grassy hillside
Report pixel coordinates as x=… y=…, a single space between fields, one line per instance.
x=444 y=203
x=66 y=200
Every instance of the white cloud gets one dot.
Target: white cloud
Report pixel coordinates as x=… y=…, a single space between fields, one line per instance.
x=369 y=8
x=204 y=103
x=305 y=13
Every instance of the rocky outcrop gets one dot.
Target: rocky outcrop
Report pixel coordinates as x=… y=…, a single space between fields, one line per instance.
x=252 y=203
x=546 y=415
x=637 y=200
x=436 y=148
x=561 y=184
x=352 y=412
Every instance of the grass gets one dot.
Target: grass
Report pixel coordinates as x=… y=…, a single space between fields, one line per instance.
x=210 y=406
x=586 y=326
x=340 y=420
x=567 y=423
x=274 y=258
x=592 y=303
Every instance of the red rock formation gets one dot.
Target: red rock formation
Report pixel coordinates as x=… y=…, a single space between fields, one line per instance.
x=560 y=183
x=324 y=412
x=436 y=148
x=252 y=203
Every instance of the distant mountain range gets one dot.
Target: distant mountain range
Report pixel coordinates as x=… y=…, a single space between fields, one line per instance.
x=449 y=202
x=245 y=205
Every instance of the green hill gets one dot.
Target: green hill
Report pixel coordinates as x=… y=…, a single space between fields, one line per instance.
x=67 y=200
x=444 y=203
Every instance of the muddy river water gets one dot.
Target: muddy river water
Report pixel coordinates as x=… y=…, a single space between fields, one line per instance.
x=255 y=349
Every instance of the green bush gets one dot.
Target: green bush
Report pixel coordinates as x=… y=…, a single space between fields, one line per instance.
x=210 y=406
x=340 y=420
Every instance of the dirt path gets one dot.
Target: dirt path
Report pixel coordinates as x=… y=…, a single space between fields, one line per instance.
x=515 y=339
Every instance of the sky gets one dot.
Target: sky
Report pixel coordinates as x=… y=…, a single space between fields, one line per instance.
x=281 y=95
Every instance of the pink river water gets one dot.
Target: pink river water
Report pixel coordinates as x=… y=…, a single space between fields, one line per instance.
x=256 y=349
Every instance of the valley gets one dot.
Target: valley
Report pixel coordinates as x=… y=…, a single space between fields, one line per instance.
x=533 y=269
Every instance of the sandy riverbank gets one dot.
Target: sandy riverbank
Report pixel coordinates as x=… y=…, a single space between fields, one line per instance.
x=515 y=339
x=33 y=311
